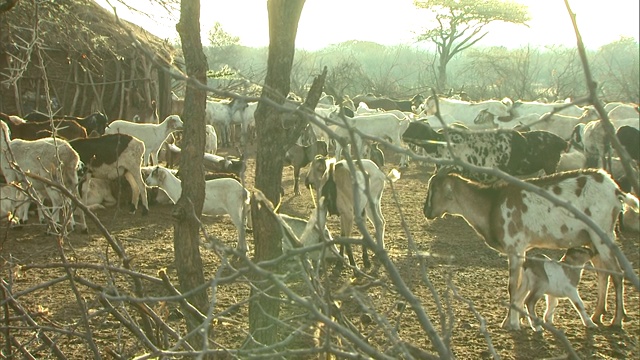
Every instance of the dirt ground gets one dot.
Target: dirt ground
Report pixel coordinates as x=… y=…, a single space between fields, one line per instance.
x=451 y=246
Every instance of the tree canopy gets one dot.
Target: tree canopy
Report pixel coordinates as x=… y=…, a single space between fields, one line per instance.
x=460 y=25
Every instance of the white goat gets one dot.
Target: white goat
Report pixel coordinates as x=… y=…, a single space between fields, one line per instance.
x=383 y=125
x=623 y=111
x=224 y=196
x=543 y=277
x=221 y=113
x=50 y=158
x=96 y=193
x=522 y=108
x=465 y=111
x=308 y=233
x=152 y=135
x=14 y=205
x=210 y=140
x=333 y=181
x=245 y=117
x=512 y=220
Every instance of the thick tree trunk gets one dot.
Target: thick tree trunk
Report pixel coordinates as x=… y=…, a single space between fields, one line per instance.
x=273 y=140
x=189 y=207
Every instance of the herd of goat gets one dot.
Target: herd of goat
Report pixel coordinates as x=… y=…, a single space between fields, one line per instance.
x=560 y=148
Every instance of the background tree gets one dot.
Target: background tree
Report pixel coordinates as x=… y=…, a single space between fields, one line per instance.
x=460 y=25
x=224 y=46
x=188 y=210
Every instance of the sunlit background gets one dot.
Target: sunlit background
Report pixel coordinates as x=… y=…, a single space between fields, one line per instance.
x=390 y=22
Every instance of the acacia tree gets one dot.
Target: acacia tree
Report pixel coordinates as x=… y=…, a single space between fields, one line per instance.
x=461 y=25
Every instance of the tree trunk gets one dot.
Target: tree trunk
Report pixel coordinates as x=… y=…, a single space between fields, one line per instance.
x=189 y=207
x=271 y=146
x=442 y=73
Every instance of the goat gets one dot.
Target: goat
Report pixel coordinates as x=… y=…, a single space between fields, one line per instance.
x=152 y=135
x=334 y=181
x=14 y=205
x=96 y=193
x=221 y=113
x=543 y=277
x=95 y=122
x=521 y=108
x=308 y=233
x=111 y=156
x=383 y=125
x=210 y=139
x=623 y=111
x=465 y=111
x=508 y=150
x=376 y=155
x=300 y=156
x=224 y=196
x=66 y=129
x=630 y=138
x=49 y=158
x=513 y=220
x=591 y=138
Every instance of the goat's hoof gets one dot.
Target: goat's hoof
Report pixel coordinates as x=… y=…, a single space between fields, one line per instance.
x=145 y=211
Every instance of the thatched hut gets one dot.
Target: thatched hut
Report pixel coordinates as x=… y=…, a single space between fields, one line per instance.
x=75 y=56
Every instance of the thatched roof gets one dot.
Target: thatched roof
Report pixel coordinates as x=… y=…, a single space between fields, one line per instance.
x=90 y=59
x=79 y=27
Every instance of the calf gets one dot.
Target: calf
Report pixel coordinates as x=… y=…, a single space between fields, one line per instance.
x=543 y=277
x=513 y=220
x=111 y=156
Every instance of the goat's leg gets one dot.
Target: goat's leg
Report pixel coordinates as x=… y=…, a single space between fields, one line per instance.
x=552 y=303
x=512 y=320
x=296 y=180
x=346 y=223
x=605 y=260
x=579 y=306
x=530 y=304
x=138 y=191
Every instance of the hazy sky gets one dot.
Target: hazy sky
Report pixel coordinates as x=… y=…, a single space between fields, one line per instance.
x=326 y=22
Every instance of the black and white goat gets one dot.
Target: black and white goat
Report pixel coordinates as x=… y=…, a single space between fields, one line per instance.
x=556 y=280
x=512 y=220
x=518 y=154
x=334 y=181
x=111 y=156
x=223 y=196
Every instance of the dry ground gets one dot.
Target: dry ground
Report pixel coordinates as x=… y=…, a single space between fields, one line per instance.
x=479 y=273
